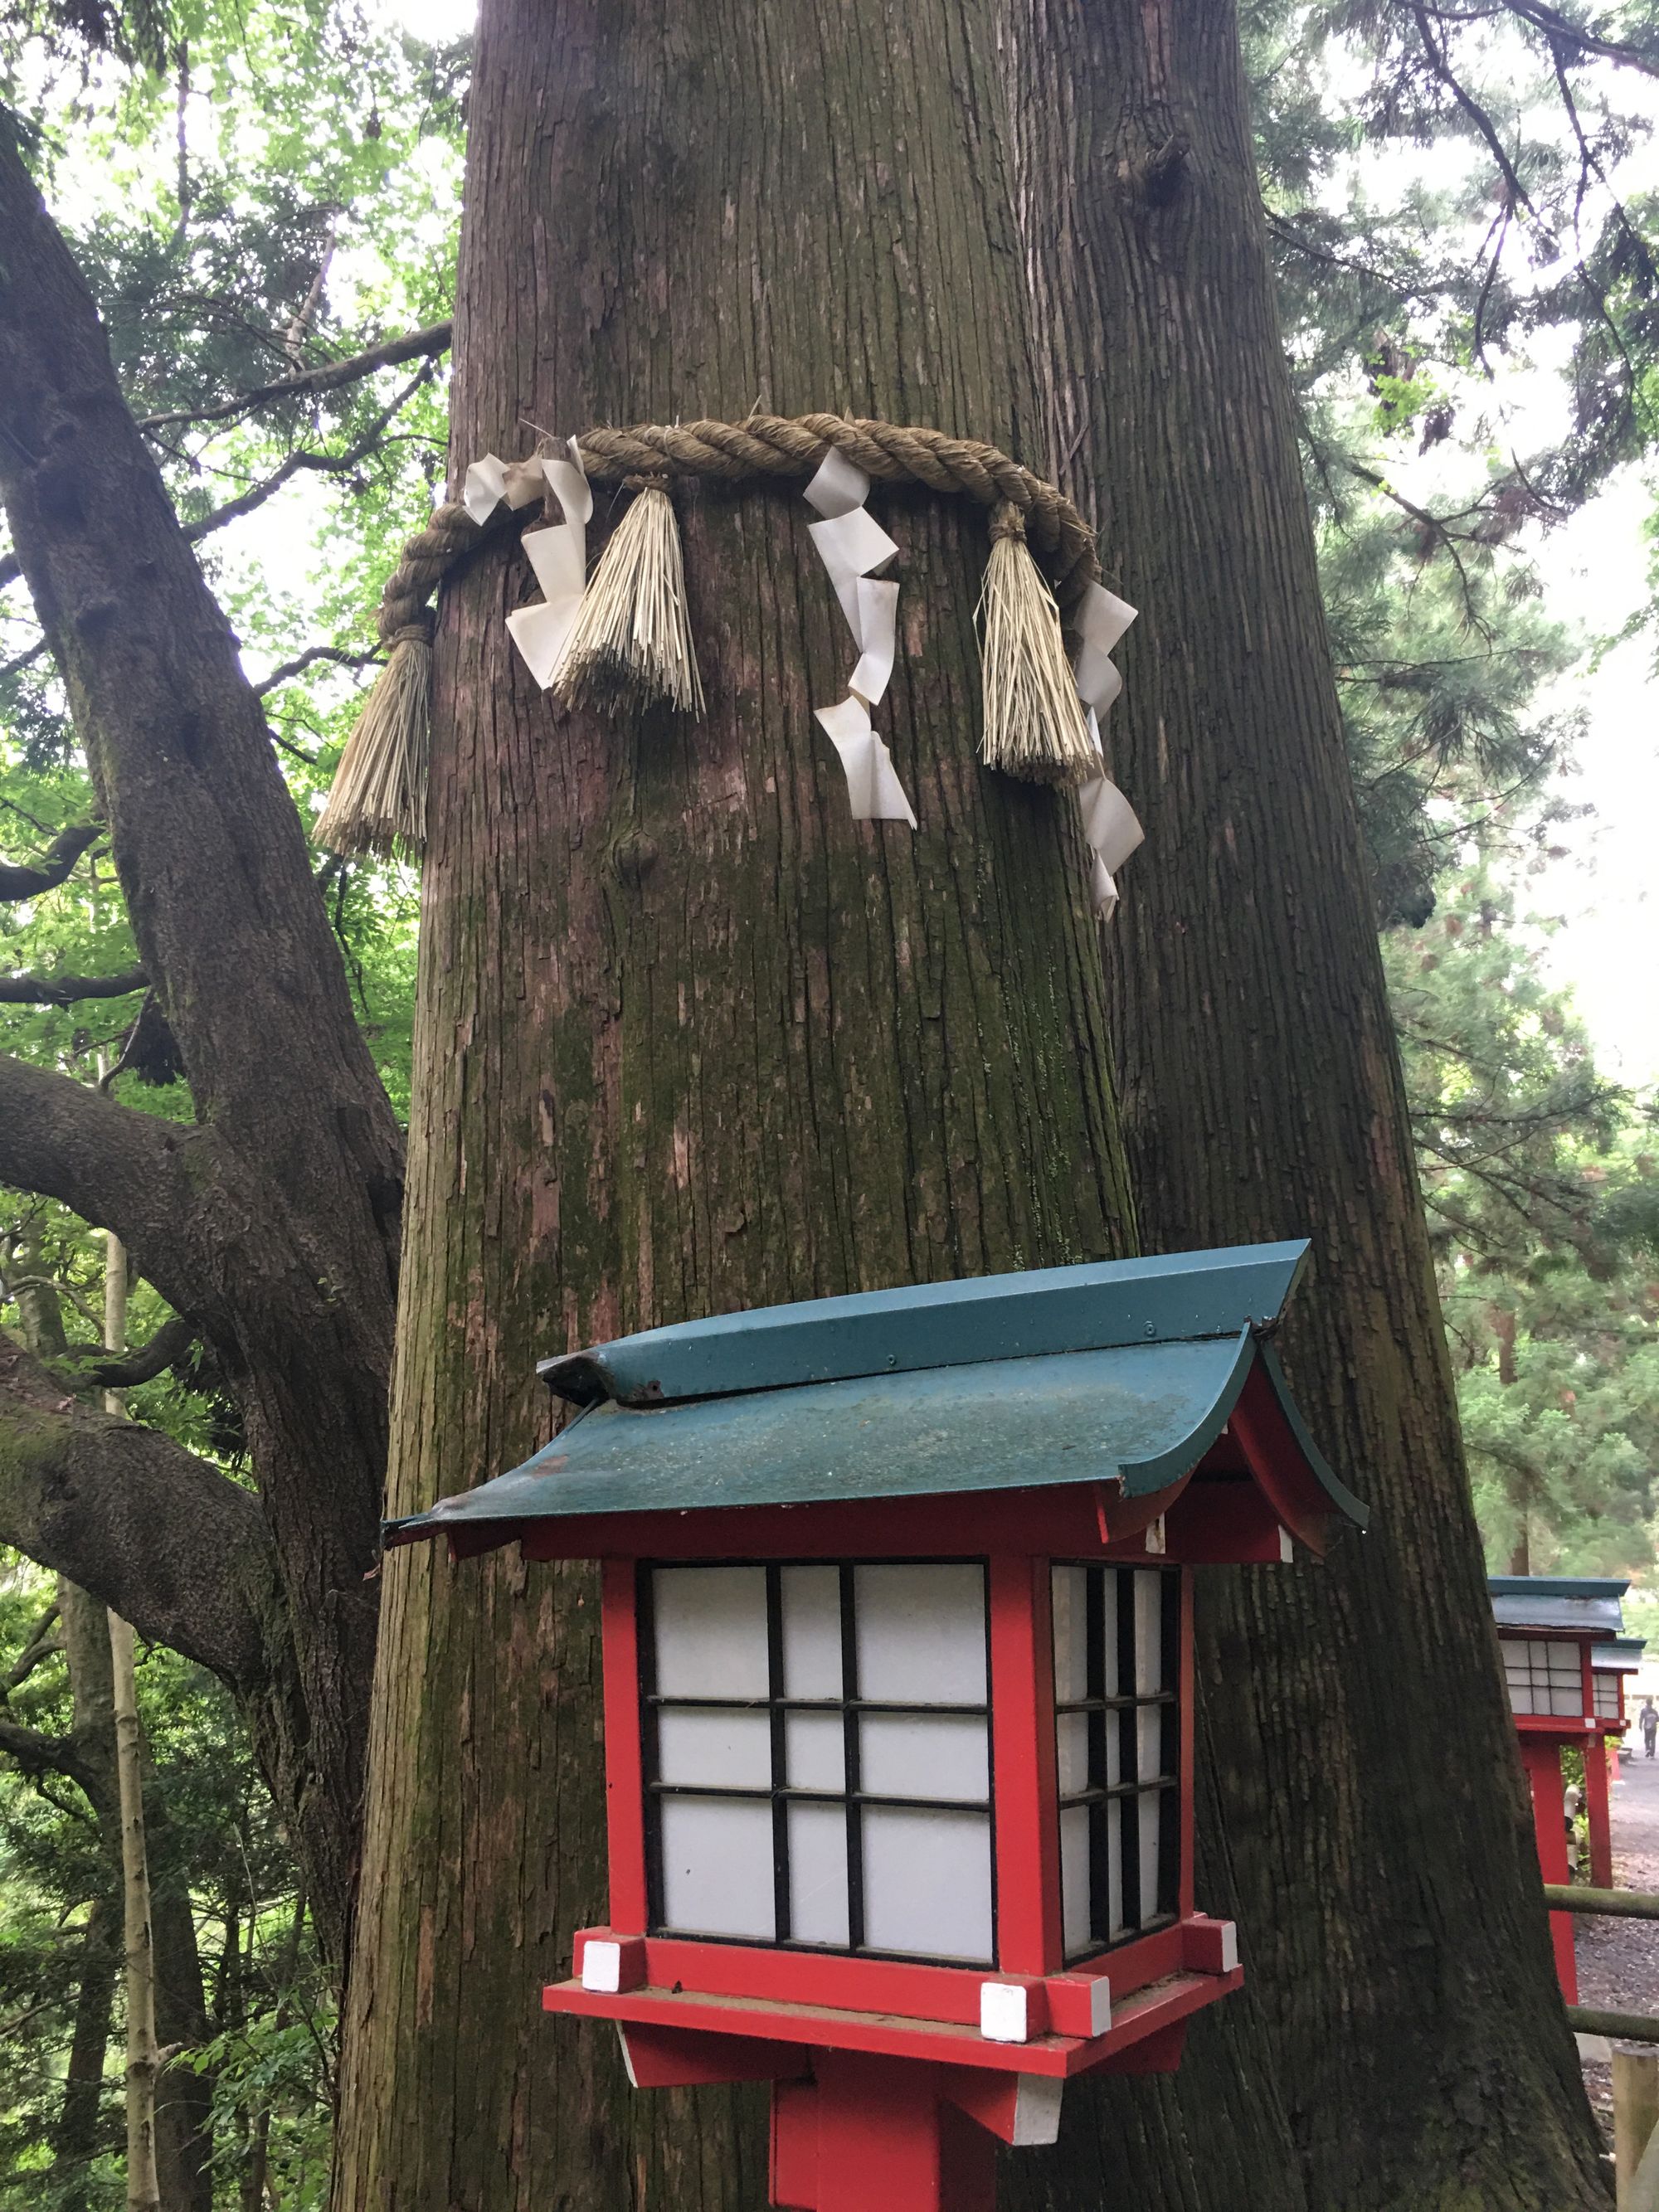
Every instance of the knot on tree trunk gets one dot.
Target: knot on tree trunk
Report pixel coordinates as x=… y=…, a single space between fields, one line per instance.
x=1160 y=174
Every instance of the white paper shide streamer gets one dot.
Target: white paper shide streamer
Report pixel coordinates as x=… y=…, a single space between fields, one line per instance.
x=557 y=554
x=1109 y=820
x=852 y=547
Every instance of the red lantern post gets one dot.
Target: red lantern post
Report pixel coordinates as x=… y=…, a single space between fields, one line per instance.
x=1551 y=1630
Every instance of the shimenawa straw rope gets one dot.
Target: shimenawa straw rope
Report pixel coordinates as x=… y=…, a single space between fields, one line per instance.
x=632 y=628
x=1035 y=727
x=632 y=641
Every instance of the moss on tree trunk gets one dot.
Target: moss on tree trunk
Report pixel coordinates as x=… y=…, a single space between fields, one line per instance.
x=689 y=1039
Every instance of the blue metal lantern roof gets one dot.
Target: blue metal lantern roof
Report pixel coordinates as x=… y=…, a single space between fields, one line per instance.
x=1125 y=1370
x=1620 y=1655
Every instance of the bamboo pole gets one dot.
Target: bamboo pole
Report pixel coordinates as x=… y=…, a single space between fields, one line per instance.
x=1624 y=1904
x=144 y=2183
x=1626 y=2026
x=144 y=2187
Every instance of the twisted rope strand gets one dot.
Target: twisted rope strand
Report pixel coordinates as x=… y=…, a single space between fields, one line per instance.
x=768 y=446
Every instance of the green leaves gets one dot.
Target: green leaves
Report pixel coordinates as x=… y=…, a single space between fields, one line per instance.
x=1543 y=1202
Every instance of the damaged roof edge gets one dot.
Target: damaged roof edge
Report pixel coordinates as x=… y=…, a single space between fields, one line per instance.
x=1164 y=1298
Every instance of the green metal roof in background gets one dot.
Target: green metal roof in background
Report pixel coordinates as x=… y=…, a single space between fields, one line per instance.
x=1525 y=1586
x=1589 y=1604
x=1125 y=1370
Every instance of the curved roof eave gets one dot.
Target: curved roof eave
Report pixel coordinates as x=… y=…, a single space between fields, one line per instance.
x=1142 y=1415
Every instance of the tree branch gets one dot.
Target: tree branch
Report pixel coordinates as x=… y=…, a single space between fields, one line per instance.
x=64 y=1141
x=327 y=465
x=335 y=656
x=1477 y=114
x=247 y=502
x=42 y=1645
x=38 y=1754
x=210 y=852
x=28 y=879
x=165 y=1349
x=1561 y=33
x=312 y=382
x=172 y=1545
x=65 y=990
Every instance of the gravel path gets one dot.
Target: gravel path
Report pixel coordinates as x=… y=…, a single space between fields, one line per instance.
x=1619 y=1959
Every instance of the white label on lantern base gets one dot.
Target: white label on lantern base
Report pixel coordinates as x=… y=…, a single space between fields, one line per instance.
x=1286 y=1549
x=1229 y=1947
x=1004 y=2009
x=1100 y=2005
x=602 y=1967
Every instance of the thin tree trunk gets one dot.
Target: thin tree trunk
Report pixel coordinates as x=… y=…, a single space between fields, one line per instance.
x=690 y=1038
x=143 y=2188
x=256 y=2181
x=1365 y=1757
x=181 y=2098
x=184 y=2095
x=86 y=1662
x=143 y=2183
x=76 y=2139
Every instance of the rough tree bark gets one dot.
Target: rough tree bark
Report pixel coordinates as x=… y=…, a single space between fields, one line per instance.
x=272 y=1225
x=1389 y=1899
x=689 y=1038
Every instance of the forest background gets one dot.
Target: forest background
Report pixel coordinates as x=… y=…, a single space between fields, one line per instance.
x=266 y=200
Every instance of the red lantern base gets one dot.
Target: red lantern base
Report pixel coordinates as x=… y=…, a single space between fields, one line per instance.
x=875 y=2109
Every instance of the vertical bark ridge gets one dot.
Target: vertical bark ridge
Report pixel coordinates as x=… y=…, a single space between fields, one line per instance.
x=689 y=1039
x=1387 y=1886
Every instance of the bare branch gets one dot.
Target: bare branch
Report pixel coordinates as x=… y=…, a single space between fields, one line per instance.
x=335 y=656
x=1561 y=33
x=294 y=337
x=1477 y=114
x=1436 y=532
x=167 y=1542
x=65 y=990
x=26 y=659
x=247 y=502
x=28 y=879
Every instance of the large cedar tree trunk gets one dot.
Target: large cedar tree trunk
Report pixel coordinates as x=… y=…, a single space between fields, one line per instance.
x=1387 y=1882
x=689 y=1038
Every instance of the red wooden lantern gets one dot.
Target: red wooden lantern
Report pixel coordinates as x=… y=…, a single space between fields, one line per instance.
x=1550 y=1630
x=897 y=1641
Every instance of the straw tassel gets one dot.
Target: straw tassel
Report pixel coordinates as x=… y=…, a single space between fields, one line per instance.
x=1035 y=725
x=632 y=642
x=378 y=800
